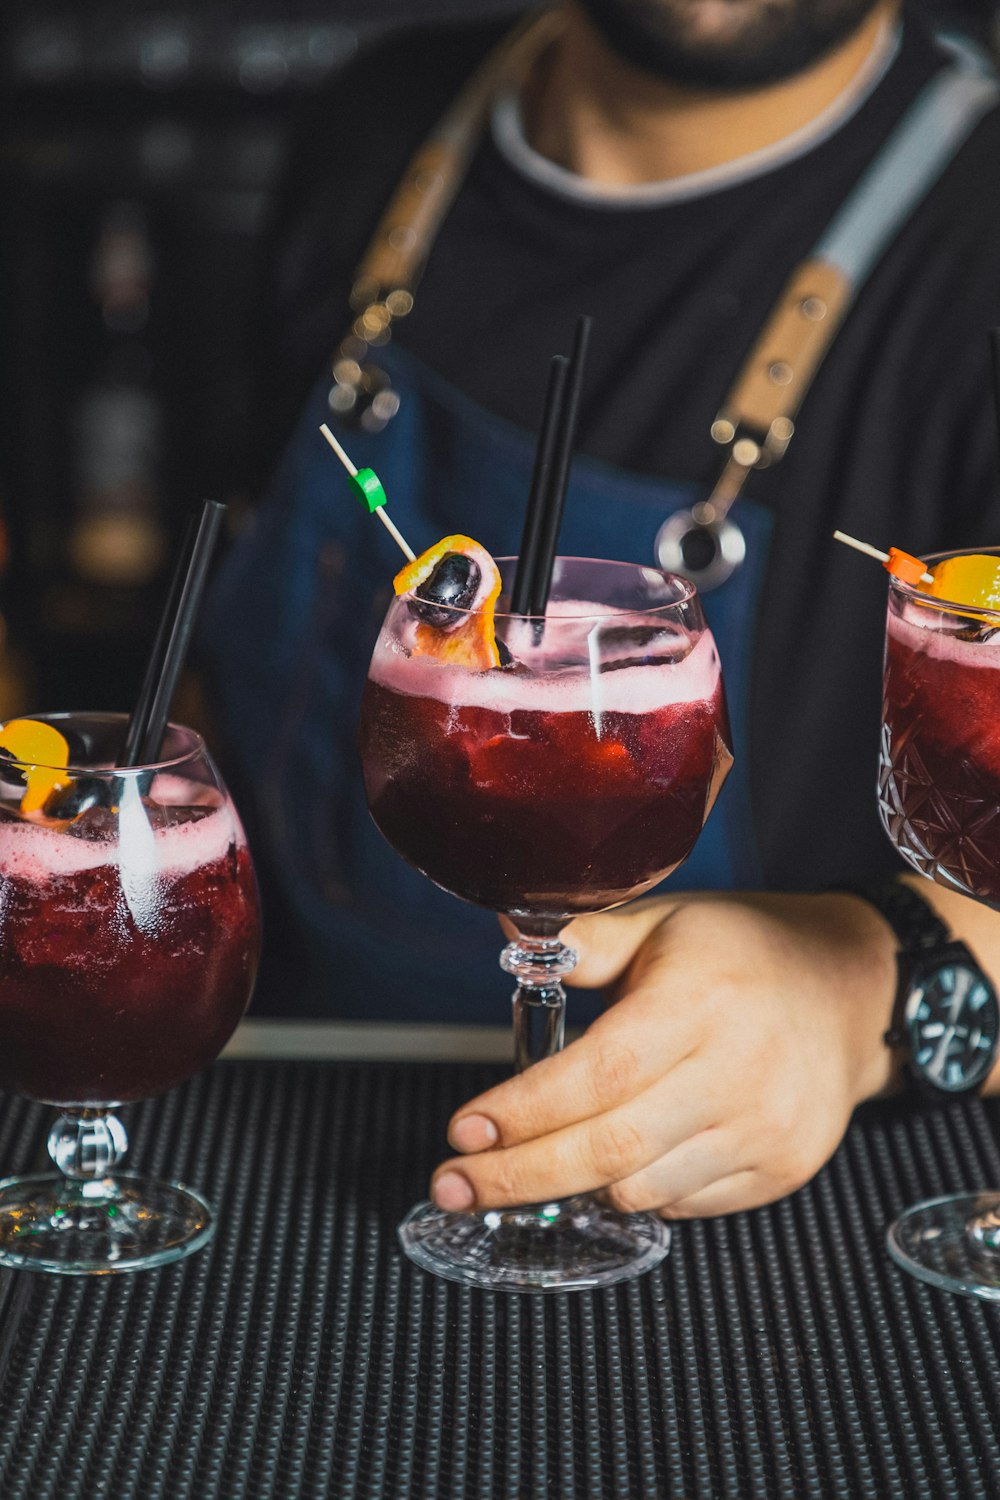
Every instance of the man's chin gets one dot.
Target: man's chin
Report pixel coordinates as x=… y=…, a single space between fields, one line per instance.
x=724 y=43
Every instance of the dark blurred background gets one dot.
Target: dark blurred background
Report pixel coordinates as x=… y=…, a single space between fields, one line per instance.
x=140 y=148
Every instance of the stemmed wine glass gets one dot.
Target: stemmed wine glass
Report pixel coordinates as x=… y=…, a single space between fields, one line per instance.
x=129 y=937
x=939 y=799
x=566 y=781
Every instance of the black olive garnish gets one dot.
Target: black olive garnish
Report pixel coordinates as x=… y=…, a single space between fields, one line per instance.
x=452 y=586
x=79 y=796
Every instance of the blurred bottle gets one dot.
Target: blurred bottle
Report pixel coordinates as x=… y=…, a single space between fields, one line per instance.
x=118 y=534
x=14 y=675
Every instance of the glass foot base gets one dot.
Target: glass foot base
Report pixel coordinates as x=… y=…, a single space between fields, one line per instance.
x=547 y=1247
x=937 y=1241
x=121 y=1223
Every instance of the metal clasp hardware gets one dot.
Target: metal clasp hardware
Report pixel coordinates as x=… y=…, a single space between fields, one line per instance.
x=704 y=544
x=362 y=393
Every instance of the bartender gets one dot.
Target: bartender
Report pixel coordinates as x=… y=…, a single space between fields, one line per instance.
x=775 y=214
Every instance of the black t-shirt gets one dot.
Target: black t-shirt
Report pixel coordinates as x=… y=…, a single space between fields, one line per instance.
x=896 y=441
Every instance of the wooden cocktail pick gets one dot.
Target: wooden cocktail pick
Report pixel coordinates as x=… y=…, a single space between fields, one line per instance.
x=902 y=565
x=368 y=488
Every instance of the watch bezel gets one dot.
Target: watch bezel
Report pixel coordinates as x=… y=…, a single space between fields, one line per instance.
x=920 y=968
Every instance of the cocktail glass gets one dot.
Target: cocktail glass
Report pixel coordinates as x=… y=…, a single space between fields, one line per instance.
x=129 y=936
x=569 y=781
x=939 y=799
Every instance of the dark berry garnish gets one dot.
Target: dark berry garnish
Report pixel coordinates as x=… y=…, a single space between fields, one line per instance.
x=10 y=769
x=78 y=797
x=451 y=587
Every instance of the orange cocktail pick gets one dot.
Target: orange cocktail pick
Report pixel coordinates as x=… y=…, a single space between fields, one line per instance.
x=971 y=578
x=902 y=565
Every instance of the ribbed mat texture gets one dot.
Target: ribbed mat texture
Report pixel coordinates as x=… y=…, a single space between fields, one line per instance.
x=774 y=1354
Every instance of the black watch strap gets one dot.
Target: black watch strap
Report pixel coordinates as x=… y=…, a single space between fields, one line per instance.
x=925 y=945
x=916 y=924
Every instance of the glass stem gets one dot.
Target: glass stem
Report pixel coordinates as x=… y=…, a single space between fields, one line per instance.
x=537 y=962
x=985 y=1230
x=87 y=1144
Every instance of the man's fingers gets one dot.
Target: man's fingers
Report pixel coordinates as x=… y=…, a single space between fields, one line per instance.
x=607 y=943
x=610 y=1148
x=611 y=1063
x=701 y=1159
x=729 y=1195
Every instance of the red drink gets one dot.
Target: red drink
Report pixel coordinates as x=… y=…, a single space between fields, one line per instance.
x=541 y=768
x=940 y=769
x=126 y=959
x=544 y=793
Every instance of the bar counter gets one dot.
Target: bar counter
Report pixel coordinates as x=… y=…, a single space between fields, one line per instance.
x=777 y=1353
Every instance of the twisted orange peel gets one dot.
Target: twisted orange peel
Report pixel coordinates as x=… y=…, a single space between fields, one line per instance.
x=973 y=578
x=471 y=644
x=42 y=753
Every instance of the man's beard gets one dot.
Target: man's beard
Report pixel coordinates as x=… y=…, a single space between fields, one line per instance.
x=724 y=43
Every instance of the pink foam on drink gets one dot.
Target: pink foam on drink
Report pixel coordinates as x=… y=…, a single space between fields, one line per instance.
x=934 y=636
x=641 y=689
x=36 y=853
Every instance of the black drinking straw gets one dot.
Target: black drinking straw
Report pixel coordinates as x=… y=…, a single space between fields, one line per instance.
x=149 y=720
x=555 y=499
x=137 y=724
x=541 y=477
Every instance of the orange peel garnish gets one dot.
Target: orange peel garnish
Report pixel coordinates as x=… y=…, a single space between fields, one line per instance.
x=471 y=644
x=973 y=578
x=42 y=753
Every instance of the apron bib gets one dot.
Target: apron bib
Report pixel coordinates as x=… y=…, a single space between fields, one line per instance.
x=290 y=627
x=305 y=593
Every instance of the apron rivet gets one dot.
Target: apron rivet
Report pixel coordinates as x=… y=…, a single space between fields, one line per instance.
x=373 y=321
x=813 y=308
x=780 y=372
x=347 y=372
x=746 y=453
x=401 y=237
x=352 y=348
x=427 y=181
x=342 y=399
x=380 y=411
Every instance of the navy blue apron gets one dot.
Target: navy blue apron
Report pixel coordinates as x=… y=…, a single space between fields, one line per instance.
x=291 y=625
x=304 y=597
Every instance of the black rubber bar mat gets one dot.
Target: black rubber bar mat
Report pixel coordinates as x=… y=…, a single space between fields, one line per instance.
x=774 y=1354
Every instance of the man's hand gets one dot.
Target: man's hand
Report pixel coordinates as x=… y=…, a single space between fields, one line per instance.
x=747 y=1029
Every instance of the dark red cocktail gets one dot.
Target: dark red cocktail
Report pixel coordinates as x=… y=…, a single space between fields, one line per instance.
x=939 y=798
x=116 y=983
x=939 y=780
x=129 y=938
x=563 y=771
x=525 y=810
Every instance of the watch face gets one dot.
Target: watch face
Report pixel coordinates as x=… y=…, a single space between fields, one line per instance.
x=953 y=1021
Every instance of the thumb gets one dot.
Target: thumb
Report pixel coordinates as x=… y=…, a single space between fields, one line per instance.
x=608 y=942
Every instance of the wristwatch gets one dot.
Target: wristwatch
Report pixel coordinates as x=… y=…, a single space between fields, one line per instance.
x=946 y=1018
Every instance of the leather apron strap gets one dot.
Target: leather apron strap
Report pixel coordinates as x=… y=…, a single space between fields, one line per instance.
x=755 y=422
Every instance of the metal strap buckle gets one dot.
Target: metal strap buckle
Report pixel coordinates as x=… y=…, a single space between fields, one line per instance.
x=704 y=544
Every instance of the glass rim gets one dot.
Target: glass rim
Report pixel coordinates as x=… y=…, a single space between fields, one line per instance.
x=197 y=747
x=913 y=593
x=690 y=592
